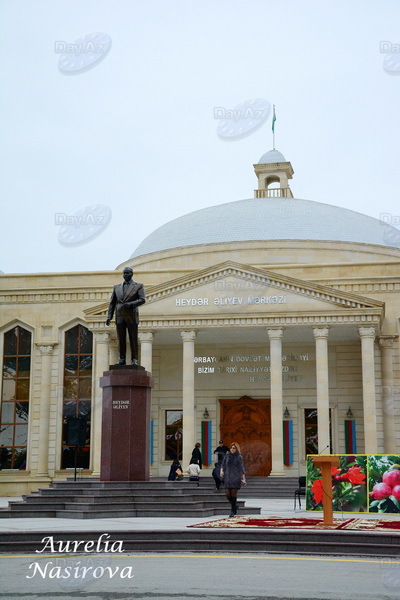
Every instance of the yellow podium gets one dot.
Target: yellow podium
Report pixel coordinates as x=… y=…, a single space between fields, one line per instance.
x=326 y=463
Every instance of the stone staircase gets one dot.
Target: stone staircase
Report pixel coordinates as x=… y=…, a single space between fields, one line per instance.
x=85 y=499
x=269 y=487
x=275 y=541
x=100 y=500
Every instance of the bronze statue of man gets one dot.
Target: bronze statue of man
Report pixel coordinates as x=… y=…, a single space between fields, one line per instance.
x=125 y=300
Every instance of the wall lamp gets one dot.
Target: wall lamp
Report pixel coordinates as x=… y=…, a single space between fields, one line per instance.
x=286 y=414
x=206 y=414
x=349 y=413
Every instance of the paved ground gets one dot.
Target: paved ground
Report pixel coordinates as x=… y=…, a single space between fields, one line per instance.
x=186 y=576
x=197 y=577
x=269 y=507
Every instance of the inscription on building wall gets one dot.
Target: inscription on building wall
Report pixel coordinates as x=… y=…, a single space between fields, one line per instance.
x=252 y=364
x=230 y=301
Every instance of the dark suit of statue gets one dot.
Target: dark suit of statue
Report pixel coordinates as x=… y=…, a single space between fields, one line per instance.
x=125 y=300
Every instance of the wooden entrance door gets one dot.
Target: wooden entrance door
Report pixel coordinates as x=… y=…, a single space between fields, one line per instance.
x=248 y=422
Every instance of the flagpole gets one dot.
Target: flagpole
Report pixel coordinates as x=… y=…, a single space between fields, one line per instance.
x=273 y=128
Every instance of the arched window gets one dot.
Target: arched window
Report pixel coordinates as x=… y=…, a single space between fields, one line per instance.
x=77 y=398
x=15 y=398
x=272 y=182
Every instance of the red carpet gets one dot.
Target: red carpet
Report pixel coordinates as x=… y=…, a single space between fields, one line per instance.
x=375 y=525
x=276 y=522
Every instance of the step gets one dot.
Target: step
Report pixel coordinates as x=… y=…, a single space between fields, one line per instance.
x=33 y=513
x=122 y=499
x=129 y=497
x=173 y=506
x=74 y=511
x=126 y=490
x=326 y=543
x=257 y=487
x=267 y=482
x=208 y=482
x=22 y=506
x=157 y=512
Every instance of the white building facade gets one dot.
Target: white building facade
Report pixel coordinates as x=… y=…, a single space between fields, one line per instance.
x=272 y=321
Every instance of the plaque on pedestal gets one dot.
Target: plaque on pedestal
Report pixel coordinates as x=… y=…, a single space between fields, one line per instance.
x=126 y=424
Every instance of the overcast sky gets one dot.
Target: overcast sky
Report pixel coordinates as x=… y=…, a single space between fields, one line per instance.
x=130 y=127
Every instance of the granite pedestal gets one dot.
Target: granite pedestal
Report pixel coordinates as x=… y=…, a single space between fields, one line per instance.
x=126 y=424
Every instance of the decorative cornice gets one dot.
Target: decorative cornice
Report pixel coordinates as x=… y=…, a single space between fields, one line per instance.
x=260 y=321
x=390 y=285
x=331 y=295
x=96 y=311
x=369 y=286
x=46 y=297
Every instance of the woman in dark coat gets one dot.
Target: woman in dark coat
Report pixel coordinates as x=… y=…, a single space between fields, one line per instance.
x=233 y=475
x=172 y=472
x=196 y=456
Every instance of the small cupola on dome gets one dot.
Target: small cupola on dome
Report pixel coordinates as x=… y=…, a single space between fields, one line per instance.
x=273 y=173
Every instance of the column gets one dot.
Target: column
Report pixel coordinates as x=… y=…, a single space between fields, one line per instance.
x=367 y=335
x=46 y=351
x=113 y=350
x=275 y=337
x=101 y=364
x=386 y=343
x=322 y=377
x=189 y=423
x=146 y=349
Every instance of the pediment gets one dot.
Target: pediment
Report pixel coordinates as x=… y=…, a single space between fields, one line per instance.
x=231 y=288
x=100 y=310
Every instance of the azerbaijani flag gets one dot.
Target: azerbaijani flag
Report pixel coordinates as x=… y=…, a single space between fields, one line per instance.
x=273 y=121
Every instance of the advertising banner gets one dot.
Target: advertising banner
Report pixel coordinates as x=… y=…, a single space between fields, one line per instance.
x=361 y=483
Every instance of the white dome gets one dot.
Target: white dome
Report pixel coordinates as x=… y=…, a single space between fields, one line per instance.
x=269 y=219
x=273 y=156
